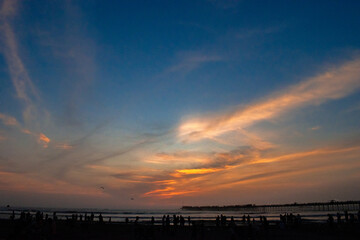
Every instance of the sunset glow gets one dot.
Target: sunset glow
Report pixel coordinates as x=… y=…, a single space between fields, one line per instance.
x=127 y=104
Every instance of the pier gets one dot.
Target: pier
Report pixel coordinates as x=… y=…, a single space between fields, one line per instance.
x=293 y=207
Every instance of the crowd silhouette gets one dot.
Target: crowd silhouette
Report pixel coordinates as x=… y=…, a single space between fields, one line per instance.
x=46 y=226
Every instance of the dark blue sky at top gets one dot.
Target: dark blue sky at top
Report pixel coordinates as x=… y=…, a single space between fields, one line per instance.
x=261 y=46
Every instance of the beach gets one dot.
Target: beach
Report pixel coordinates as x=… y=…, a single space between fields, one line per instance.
x=39 y=227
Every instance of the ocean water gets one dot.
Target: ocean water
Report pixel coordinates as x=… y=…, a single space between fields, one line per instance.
x=119 y=215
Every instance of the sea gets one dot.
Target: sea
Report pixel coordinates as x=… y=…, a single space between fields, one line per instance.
x=145 y=215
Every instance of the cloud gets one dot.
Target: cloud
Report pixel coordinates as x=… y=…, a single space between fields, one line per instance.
x=8 y=8
x=333 y=84
x=11 y=121
x=316 y=152
x=63 y=146
x=168 y=192
x=11 y=181
x=24 y=87
x=197 y=171
x=76 y=50
x=189 y=61
x=44 y=140
x=258 y=170
x=178 y=157
x=8 y=120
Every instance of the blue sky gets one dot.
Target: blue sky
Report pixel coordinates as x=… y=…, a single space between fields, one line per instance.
x=173 y=102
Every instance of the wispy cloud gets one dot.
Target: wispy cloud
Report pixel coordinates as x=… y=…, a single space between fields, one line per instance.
x=15 y=182
x=8 y=120
x=64 y=146
x=76 y=50
x=24 y=87
x=11 y=121
x=189 y=61
x=335 y=83
x=8 y=8
x=258 y=169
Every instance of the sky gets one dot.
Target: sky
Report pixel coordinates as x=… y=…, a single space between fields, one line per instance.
x=160 y=104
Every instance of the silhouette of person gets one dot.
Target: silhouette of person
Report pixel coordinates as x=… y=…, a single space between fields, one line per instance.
x=338 y=218
x=346 y=216
x=152 y=220
x=167 y=220
x=265 y=223
x=182 y=221
x=217 y=221
x=330 y=220
x=175 y=220
x=232 y=222
x=163 y=220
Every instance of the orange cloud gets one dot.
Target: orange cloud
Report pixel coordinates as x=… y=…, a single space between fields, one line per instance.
x=198 y=171
x=166 y=182
x=178 y=157
x=175 y=193
x=324 y=151
x=26 y=131
x=44 y=140
x=167 y=189
x=333 y=84
x=168 y=192
x=256 y=170
x=11 y=121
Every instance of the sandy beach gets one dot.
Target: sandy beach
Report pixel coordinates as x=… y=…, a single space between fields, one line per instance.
x=69 y=229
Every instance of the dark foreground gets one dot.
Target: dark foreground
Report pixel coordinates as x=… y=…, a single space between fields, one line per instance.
x=63 y=229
